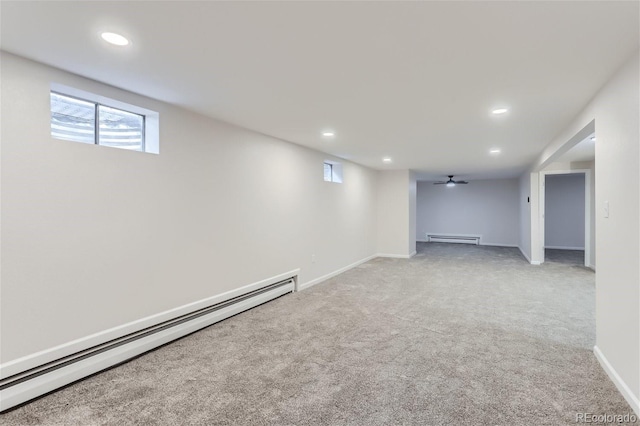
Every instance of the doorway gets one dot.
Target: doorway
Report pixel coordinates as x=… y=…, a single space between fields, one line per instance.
x=565 y=219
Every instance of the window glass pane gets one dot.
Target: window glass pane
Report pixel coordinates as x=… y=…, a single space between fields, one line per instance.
x=120 y=129
x=328 y=172
x=72 y=119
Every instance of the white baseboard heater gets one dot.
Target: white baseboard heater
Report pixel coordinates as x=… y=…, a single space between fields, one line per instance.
x=453 y=238
x=21 y=387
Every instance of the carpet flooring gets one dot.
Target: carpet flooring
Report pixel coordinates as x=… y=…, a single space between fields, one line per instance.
x=457 y=335
x=568 y=257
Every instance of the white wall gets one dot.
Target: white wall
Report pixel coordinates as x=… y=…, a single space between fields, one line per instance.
x=95 y=237
x=615 y=110
x=592 y=196
x=413 y=194
x=483 y=207
x=394 y=213
x=617 y=114
x=591 y=166
x=564 y=211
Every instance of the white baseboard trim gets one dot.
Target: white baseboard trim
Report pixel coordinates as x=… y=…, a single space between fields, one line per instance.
x=526 y=256
x=396 y=256
x=533 y=262
x=626 y=392
x=318 y=280
x=592 y=267
x=564 y=248
x=499 y=245
x=304 y=286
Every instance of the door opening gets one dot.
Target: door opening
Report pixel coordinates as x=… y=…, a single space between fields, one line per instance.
x=565 y=216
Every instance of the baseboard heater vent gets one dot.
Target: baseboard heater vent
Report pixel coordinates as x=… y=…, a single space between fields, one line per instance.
x=449 y=238
x=32 y=383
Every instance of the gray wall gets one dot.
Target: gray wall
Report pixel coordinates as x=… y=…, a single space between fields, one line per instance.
x=564 y=211
x=483 y=207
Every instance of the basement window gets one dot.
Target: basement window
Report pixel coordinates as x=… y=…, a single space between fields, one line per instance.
x=332 y=171
x=87 y=118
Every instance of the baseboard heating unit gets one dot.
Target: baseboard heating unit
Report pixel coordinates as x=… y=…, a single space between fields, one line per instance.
x=453 y=238
x=19 y=384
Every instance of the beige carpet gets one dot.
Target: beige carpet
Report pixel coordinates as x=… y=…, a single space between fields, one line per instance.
x=458 y=335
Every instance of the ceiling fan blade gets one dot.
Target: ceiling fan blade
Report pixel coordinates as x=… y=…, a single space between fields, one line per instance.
x=461 y=182
x=439 y=183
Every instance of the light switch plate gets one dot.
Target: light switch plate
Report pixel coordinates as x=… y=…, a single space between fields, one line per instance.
x=606 y=209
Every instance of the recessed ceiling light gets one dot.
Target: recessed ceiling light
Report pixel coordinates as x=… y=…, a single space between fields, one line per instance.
x=495 y=151
x=328 y=134
x=114 y=38
x=386 y=160
x=499 y=111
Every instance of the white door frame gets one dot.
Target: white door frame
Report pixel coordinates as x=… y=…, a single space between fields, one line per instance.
x=587 y=210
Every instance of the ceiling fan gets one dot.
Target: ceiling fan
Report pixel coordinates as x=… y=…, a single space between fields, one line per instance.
x=451 y=182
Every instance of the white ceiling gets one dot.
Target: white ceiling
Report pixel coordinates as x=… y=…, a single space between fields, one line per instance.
x=411 y=80
x=584 y=150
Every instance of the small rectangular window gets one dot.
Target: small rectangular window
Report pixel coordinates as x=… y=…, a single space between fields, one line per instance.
x=328 y=172
x=87 y=118
x=332 y=171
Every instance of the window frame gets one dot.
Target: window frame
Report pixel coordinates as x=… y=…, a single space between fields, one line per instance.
x=119 y=100
x=325 y=164
x=336 y=171
x=96 y=119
